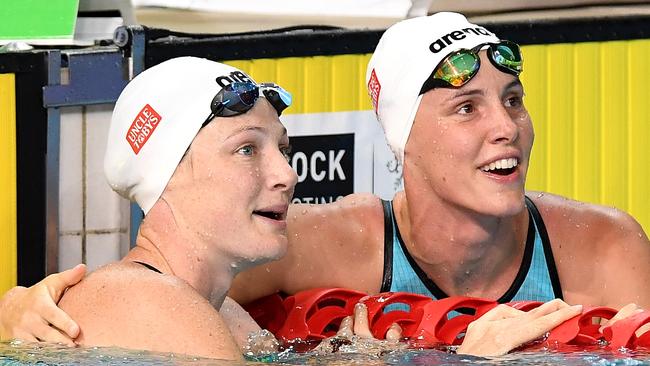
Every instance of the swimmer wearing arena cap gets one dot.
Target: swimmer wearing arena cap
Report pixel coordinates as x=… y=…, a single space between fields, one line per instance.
x=449 y=98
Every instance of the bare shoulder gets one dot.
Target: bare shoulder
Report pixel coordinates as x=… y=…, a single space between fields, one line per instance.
x=124 y=305
x=339 y=244
x=601 y=253
x=352 y=220
x=359 y=209
x=567 y=218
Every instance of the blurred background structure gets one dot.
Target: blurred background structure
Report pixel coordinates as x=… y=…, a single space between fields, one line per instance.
x=227 y=16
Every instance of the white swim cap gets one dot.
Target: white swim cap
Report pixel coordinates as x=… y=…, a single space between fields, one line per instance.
x=405 y=57
x=155 y=120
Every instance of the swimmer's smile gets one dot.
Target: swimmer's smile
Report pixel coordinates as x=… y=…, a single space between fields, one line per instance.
x=502 y=167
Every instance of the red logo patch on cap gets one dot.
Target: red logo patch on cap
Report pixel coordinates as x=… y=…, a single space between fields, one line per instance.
x=374 y=88
x=142 y=128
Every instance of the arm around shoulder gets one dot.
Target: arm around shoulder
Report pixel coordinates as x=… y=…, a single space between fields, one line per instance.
x=141 y=310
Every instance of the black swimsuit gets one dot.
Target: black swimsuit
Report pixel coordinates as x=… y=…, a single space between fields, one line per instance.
x=148 y=266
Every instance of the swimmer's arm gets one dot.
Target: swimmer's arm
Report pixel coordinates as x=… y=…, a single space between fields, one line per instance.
x=31 y=314
x=330 y=245
x=149 y=312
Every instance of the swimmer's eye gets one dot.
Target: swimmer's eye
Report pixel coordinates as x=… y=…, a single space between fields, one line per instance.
x=514 y=102
x=247 y=150
x=286 y=151
x=466 y=108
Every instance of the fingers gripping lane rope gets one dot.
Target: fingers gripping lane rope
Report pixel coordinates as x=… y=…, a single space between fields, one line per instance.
x=316 y=314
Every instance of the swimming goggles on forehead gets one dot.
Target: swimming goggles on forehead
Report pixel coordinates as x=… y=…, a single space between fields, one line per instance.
x=460 y=66
x=239 y=97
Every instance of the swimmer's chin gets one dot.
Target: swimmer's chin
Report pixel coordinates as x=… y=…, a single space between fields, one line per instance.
x=264 y=257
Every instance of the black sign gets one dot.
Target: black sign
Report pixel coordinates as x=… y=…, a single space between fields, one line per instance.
x=325 y=167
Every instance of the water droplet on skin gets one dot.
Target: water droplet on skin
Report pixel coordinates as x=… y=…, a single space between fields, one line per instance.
x=304 y=211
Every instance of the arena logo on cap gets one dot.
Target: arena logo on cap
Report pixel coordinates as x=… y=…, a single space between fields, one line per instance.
x=233 y=77
x=449 y=38
x=142 y=128
x=374 y=88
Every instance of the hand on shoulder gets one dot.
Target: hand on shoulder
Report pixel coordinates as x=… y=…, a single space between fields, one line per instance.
x=31 y=314
x=125 y=305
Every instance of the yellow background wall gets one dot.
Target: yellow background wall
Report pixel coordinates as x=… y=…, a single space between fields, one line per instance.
x=8 y=259
x=590 y=104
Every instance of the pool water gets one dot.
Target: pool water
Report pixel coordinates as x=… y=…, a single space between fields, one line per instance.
x=40 y=354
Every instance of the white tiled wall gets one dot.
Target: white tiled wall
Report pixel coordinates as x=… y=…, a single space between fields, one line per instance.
x=93 y=220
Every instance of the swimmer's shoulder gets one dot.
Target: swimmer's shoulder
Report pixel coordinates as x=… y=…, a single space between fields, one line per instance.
x=127 y=305
x=342 y=242
x=570 y=220
x=596 y=249
x=357 y=215
x=353 y=221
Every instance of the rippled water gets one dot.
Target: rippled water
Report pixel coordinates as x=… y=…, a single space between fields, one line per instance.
x=31 y=354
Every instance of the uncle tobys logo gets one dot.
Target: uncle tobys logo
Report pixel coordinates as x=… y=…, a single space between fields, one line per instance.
x=142 y=127
x=374 y=88
x=147 y=120
x=446 y=40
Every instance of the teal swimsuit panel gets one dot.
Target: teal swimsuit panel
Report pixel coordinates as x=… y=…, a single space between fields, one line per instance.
x=537 y=278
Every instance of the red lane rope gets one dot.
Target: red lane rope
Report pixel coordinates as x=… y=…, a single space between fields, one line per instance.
x=317 y=314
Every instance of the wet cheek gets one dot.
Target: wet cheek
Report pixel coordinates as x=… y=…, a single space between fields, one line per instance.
x=255 y=172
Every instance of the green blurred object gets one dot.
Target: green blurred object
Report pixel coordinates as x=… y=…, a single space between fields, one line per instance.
x=38 y=21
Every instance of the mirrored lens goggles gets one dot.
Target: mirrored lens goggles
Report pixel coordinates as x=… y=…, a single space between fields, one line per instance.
x=460 y=66
x=239 y=97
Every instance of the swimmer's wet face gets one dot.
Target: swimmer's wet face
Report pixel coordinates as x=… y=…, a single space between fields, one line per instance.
x=472 y=144
x=235 y=184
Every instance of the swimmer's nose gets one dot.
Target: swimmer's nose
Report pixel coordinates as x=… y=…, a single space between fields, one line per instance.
x=283 y=176
x=504 y=129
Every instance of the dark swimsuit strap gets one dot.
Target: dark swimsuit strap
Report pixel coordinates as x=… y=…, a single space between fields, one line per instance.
x=535 y=219
x=148 y=266
x=387 y=277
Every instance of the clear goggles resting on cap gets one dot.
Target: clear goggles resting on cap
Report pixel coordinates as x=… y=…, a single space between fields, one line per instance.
x=239 y=97
x=459 y=67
